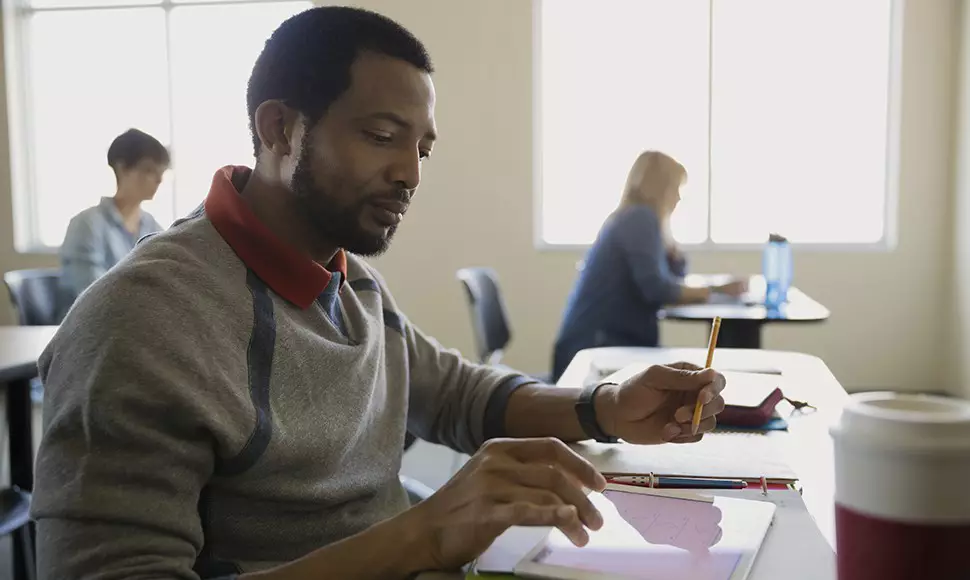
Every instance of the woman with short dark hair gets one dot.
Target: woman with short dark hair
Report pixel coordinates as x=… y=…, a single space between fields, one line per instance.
x=100 y=236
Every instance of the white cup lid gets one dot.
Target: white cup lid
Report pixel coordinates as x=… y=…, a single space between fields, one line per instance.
x=924 y=423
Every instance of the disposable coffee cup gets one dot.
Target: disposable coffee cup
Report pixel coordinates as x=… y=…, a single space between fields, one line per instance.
x=902 y=488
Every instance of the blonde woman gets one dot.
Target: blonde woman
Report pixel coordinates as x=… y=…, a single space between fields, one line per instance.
x=633 y=268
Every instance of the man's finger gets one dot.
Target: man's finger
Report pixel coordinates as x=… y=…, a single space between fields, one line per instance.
x=685 y=366
x=673 y=431
x=707 y=425
x=544 y=497
x=563 y=517
x=554 y=451
x=719 y=382
x=713 y=408
x=668 y=378
x=573 y=529
x=548 y=477
x=686 y=414
x=534 y=495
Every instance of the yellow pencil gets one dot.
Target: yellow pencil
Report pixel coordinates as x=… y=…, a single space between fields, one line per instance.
x=715 y=328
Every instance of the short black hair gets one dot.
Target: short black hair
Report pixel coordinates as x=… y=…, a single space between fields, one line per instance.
x=306 y=61
x=132 y=146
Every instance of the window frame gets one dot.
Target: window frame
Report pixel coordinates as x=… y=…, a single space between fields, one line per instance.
x=889 y=238
x=25 y=210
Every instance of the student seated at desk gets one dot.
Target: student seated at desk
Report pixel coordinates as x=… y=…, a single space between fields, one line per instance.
x=100 y=236
x=231 y=400
x=633 y=268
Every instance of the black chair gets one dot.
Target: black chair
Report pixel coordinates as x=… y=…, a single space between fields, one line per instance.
x=34 y=294
x=490 y=322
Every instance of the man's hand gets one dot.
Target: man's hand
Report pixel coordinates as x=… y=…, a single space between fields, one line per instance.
x=735 y=288
x=657 y=405
x=524 y=482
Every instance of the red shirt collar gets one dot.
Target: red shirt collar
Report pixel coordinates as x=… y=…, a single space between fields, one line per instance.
x=290 y=273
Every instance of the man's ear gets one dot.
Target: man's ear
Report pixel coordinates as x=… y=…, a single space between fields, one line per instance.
x=275 y=124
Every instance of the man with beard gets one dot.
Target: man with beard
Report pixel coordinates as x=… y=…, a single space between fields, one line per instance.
x=232 y=399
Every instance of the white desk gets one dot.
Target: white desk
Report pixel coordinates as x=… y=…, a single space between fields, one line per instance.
x=807 y=445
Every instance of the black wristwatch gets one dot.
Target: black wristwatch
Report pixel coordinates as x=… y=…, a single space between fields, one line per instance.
x=586 y=413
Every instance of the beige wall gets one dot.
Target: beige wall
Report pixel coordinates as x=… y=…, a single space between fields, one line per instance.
x=9 y=258
x=959 y=321
x=475 y=208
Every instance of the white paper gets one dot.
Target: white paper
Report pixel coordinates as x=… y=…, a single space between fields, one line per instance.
x=723 y=455
x=618 y=369
x=794 y=548
x=510 y=547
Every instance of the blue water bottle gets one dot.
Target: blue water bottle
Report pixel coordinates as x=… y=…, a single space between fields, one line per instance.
x=776 y=265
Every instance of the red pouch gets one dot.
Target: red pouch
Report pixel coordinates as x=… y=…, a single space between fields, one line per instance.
x=751 y=416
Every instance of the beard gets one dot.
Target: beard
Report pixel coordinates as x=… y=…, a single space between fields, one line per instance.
x=339 y=224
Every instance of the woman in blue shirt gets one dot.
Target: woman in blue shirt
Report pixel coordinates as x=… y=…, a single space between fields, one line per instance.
x=633 y=268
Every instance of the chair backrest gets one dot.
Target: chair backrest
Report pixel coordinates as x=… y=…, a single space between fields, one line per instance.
x=34 y=294
x=489 y=320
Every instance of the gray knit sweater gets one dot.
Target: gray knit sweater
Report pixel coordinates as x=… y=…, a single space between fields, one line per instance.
x=218 y=403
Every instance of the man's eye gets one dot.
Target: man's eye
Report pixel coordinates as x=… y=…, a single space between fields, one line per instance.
x=382 y=138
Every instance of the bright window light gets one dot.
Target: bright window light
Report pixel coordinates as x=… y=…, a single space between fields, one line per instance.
x=779 y=110
x=152 y=65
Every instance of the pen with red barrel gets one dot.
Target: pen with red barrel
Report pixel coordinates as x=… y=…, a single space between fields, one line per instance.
x=678 y=482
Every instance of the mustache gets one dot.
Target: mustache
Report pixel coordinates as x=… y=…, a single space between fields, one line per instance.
x=402 y=195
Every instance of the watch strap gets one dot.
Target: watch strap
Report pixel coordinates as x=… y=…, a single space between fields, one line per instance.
x=586 y=413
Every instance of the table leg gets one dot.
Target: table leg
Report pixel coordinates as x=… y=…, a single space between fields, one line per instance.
x=19 y=425
x=740 y=334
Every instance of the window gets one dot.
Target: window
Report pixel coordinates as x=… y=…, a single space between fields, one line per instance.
x=779 y=109
x=80 y=72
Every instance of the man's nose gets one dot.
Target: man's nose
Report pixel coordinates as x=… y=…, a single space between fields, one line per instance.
x=406 y=169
